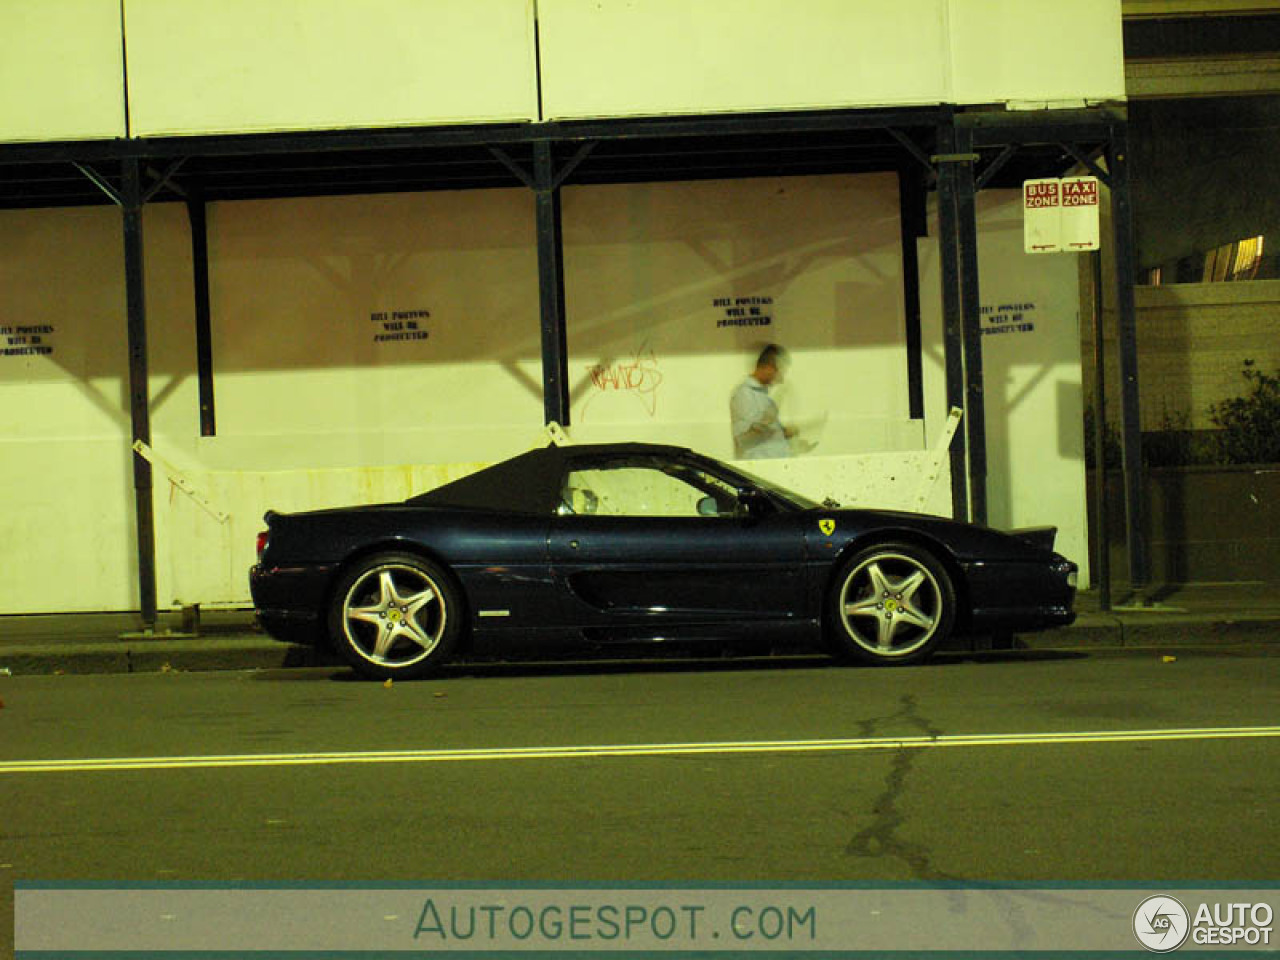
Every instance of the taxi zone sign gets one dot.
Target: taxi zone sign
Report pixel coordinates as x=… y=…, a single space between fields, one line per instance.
x=1060 y=215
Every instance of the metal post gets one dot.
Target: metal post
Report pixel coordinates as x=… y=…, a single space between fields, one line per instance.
x=949 y=251
x=555 y=361
x=1101 y=519
x=197 y=214
x=975 y=408
x=139 y=400
x=911 y=207
x=1126 y=317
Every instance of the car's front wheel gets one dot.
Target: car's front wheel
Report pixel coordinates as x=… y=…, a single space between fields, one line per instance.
x=394 y=616
x=890 y=603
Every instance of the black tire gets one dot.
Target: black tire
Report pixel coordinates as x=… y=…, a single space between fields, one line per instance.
x=395 y=616
x=891 y=603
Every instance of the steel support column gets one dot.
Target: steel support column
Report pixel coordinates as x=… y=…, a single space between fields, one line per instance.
x=952 y=315
x=914 y=225
x=1102 y=520
x=555 y=360
x=975 y=407
x=131 y=202
x=197 y=215
x=1126 y=314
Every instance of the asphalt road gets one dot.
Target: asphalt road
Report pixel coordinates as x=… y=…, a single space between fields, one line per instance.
x=1053 y=767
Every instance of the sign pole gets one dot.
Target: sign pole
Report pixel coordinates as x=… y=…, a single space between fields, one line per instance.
x=1101 y=522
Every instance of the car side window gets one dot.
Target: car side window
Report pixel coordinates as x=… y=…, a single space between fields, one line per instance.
x=631 y=490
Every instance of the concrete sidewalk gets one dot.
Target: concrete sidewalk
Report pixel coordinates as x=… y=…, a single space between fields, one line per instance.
x=228 y=640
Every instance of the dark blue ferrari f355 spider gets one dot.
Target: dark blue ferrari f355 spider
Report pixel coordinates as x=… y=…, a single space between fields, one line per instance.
x=635 y=542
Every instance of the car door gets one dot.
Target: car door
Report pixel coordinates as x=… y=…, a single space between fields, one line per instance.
x=646 y=540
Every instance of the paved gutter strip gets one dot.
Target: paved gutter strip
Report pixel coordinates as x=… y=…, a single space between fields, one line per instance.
x=254 y=652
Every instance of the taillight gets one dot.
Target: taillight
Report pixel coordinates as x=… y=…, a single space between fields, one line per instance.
x=263 y=537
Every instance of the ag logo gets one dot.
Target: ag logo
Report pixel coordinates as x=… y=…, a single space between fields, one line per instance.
x=827 y=526
x=1161 y=924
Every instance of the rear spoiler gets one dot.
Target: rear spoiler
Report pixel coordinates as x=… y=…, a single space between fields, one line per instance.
x=1041 y=537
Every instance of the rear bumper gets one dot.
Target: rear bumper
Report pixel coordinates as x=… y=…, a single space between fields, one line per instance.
x=291 y=627
x=289 y=601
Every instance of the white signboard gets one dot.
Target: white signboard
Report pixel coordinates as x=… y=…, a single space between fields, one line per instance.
x=1080 y=213
x=1042 y=216
x=1060 y=215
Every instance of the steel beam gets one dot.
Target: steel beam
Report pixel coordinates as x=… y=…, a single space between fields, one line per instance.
x=1102 y=519
x=197 y=214
x=996 y=165
x=913 y=226
x=551 y=299
x=975 y=408
x=1126 y=318
x=131 y=197
x=997 y=128
x=474 y=135
x=952 y=313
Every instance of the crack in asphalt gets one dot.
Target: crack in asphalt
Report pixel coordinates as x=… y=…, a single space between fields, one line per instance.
x=880 y=838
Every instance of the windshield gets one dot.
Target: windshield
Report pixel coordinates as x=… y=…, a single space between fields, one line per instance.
x=782 y=493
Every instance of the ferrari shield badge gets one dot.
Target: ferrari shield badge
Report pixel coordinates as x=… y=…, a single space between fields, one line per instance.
x=827 y=526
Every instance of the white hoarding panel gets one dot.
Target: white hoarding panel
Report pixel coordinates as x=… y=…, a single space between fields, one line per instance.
x=1042 y=216
x=675 y=56
x=1032 y=374
x=675 y=287
x=1080 y=213
x=1036 y=51
x=61 y=72
x=66 y=480
x=256 y=65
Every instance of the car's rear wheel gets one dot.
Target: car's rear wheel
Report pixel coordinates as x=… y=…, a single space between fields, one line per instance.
x=890 y=603
x=395 y=615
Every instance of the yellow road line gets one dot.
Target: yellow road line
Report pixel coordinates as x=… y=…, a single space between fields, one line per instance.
x=632 y=750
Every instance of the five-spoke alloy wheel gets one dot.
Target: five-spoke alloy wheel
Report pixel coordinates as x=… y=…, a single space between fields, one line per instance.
x=395 y=615
x=891 y=603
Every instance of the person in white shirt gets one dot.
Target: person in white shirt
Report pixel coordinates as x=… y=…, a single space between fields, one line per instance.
x=758 y=433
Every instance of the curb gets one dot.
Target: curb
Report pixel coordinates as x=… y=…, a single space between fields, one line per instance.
x=1140 y=630
x=159 y=655
x=253 y=651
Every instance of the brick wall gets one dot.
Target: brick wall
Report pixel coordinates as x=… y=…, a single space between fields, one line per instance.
x=1192 y=342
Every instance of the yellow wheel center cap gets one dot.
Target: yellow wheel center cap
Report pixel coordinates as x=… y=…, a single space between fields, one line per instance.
x=394 y=616
x=891 y=605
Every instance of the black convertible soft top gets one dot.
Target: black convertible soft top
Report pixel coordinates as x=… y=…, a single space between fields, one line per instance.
x=530 y=482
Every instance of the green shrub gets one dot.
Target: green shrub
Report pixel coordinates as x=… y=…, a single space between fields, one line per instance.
x=1250 y=424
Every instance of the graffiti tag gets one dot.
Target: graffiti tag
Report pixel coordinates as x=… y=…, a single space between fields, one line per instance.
x=639 y=377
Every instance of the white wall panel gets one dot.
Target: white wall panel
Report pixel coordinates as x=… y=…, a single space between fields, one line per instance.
x=1031 y=375
x=658 y=339
x=61 y=73
x=1036 y=51
x=635 y=57
x=66 y=533
x=312 y=374
x=630 y=58
x=251 y=65
x=254 y=65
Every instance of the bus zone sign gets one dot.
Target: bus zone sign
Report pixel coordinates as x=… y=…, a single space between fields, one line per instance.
x=1060 y=215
